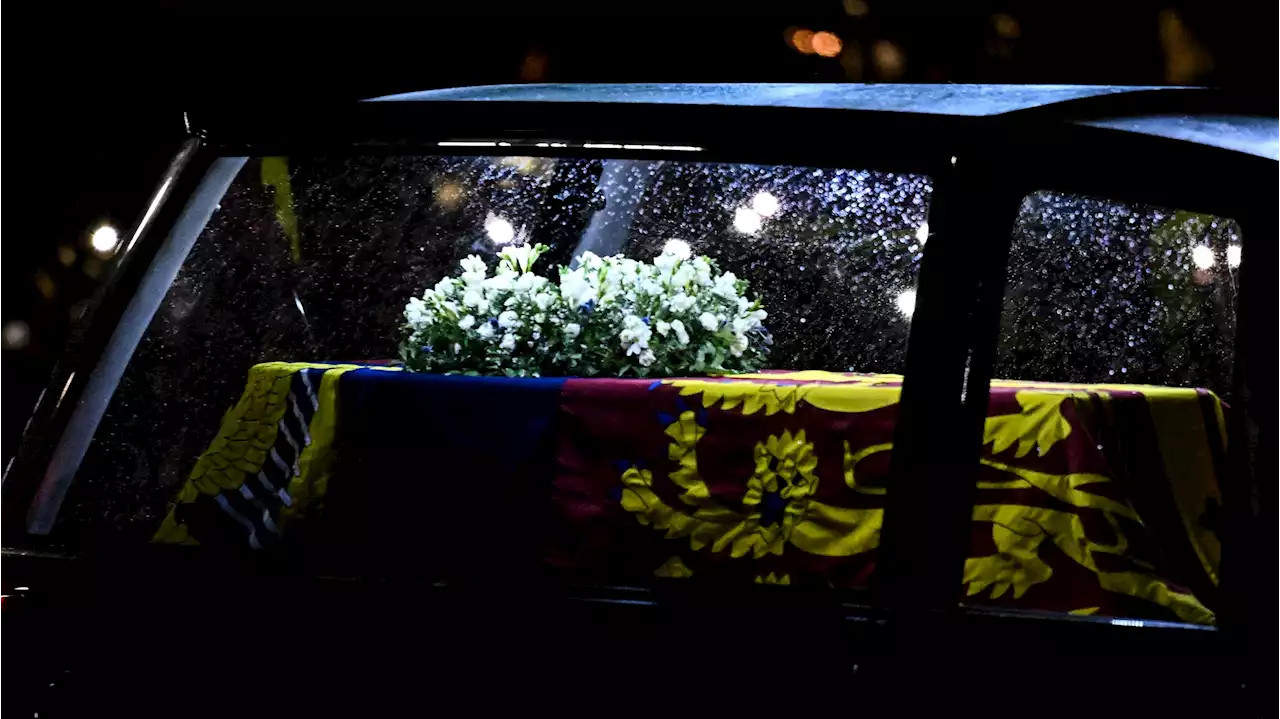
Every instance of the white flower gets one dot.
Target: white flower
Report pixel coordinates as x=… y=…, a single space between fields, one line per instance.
x=740 y=325
x=467 y=322
x=518 y=257
x=665 y=262
x=571 y=330
x=683 y=276
x=451 y=306
x=678 y=249
x=646 y=357
x=635 y=334
x=681 y=302
x=457 y=348
x=508 y=342
x=708 y=321
x=703 y=268
x=444 y=287
x=485 y=331
x=526 y=283
x=473 y=297
x=725 y=286
x=502 y=282
x=416 y=313
x=663 y=327
x=473 y=263
x=575 y=288
x=539 y=318
x=509 y=319
x=543 y=300
x=682 y=335
x=739 y=345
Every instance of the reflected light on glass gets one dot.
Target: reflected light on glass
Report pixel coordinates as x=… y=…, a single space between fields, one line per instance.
x=826 y=44
x=1202 y=257
x=747 y=220
x=907 y=303
x=1233 y=256
x=922 y=233
x=679 y=248
x=104 y=240
x=500 y=230
x=764 y=204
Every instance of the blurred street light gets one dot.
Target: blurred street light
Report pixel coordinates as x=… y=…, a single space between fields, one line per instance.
x=826 y=44
x=1233 y=256
x=1202 y=257
x=499 y=230
x=105 y=240
x=747 y=221
x=16 y=335
x=888 y=59
x=907 y=303
x=765 y=204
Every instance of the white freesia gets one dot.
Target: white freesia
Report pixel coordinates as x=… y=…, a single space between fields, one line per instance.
x=682 y=335
x=518 y=257
x=725 y=286
x=635 y=334
x=509 y=319
x=609 y=315
x=576 y=289
x=416 y=313
x=681 y=302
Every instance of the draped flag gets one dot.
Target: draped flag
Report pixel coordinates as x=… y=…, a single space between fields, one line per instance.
x=1090 y=498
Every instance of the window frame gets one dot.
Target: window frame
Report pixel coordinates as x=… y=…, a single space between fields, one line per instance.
x=954 y=330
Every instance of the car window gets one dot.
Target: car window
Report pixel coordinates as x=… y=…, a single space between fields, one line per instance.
x=1105 y=435
x=228 y=401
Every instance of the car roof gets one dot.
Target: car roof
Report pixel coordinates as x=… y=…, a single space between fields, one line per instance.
x=969 y=100
x=1125 y=108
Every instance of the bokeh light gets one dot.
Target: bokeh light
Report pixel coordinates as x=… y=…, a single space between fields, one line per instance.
x=1006 y=26
x=500 y=230
x=801 y=39
x=1233 y=256
x=764 y=204
x=888 y=59
x=1202 y=257
x=17 y=335
x=856 y=8
x=826 y=44
x=907 y=303
x=448 y=195
x=922 y=233
x=105 y=240
x=747 y=220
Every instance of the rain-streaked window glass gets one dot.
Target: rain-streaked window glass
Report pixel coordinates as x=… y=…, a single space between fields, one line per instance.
x=312 y=259
x=1105 y=435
